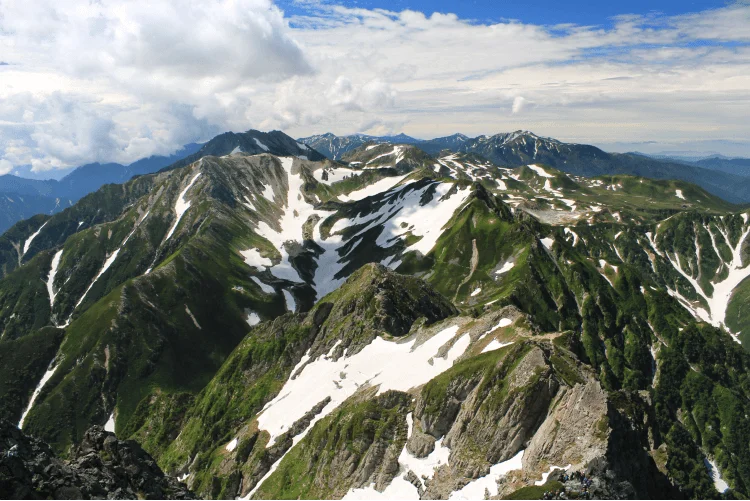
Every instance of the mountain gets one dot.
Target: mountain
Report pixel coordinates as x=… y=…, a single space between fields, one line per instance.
x=89 y=178
x=396 y=323
x=15 y=207
x=737 y=166
x=523 y=147
x=402 y=157
x=334 y=147
x=22 y=198
x=48 y=197
x=452 y=143
x=252 y=142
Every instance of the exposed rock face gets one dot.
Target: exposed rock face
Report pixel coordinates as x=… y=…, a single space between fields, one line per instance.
x=101 y=467
x=486 y=419
x=575 y=431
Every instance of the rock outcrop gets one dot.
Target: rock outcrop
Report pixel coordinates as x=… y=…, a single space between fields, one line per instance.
x=100 y=467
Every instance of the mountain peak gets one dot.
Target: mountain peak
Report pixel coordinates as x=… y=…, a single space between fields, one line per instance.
x=251 y=142
x=376 y=301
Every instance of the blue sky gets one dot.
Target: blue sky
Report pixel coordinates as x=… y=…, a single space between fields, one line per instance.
x=121 y=80
x=545 y=12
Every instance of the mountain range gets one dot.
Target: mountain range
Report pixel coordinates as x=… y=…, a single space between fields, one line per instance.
x=523 y=147
x=401 y=322
x=22 y=198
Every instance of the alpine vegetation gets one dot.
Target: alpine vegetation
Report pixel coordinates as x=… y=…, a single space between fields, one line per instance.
x=393 y=323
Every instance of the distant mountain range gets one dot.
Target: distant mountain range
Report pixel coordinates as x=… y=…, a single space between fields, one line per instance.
x=21 y=198
x=727 y=179
x=736 y=166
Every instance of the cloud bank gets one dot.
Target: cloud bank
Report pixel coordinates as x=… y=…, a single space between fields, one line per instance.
x=118 y=80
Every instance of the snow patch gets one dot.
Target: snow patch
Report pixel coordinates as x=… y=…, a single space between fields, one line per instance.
x=399 y=488
x=713 y=472
x=252 y=318
x=506 y=268
x=334 y=175
x=296 y=213
x=719 y=300
x=46 y=377
x=396 y=151
x=109 y=261
x=29 y=240
x=568 y=231
x=268 y=193
x=547 y=474
x=423 y=467
x=495 y=345
x=678 y=194
x=547 y=242
x=476 y=488
x=51 y=278
x=376 y=188
x=425 y=220
x=110 y=424
x=192 y=317
x=260 y=145
x=181 y=206
x=476 y=292
x=291 y=305
x=540 y=171
x=504 y=322
x=386 y=364
x=253 y=258
x=231 y=445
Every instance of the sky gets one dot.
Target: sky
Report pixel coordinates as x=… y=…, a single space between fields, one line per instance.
x=119 y=80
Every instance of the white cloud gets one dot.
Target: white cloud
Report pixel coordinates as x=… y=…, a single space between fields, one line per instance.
x=5 y=167
x=117 y=80
x=520 y=104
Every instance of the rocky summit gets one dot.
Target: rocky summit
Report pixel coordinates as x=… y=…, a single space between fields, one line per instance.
x=500 y=317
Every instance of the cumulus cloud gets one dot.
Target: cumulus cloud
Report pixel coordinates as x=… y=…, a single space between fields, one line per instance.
x=520 y=104
x=5 y=167
x=117 y=80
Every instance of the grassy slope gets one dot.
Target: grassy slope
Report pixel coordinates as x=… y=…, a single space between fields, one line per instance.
x=154 y=349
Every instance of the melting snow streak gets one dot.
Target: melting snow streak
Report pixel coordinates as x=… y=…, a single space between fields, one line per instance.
x=181 y=206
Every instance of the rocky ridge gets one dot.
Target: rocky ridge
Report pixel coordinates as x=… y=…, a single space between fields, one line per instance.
x=100 y=467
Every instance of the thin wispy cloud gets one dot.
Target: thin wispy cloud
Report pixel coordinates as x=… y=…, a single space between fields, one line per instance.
x=119 y=80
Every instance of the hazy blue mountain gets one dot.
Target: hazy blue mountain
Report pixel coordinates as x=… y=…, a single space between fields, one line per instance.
x=21 y=198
